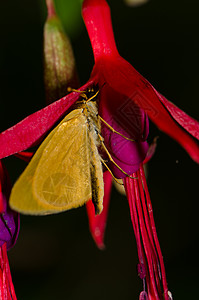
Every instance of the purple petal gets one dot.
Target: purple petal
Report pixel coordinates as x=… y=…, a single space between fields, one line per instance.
x=9 y=228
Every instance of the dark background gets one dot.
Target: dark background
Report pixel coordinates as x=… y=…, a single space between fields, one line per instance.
x=55 y=257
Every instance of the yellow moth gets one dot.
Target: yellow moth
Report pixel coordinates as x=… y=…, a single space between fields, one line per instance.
x=66 y=170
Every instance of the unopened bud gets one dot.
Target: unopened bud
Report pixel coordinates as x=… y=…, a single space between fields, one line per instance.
x=59 y=62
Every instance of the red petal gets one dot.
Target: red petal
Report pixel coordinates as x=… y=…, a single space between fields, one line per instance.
x=97 y=224
x=122 y=77
x=30 y=130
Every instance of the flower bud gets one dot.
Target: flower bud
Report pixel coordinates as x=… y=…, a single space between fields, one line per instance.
x=59 y=63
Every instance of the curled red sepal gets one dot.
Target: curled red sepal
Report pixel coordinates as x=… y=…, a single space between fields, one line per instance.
x=111 y=69
x=30 y=130
x=151 y=266
x=97 y=223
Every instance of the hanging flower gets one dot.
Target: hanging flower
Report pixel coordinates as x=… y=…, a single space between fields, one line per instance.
x=9 y=229
x=122 y=85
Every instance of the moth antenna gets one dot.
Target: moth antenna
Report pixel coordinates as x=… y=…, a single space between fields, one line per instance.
x=83 y=93
x=69 y=89
x=115 y=131
x=111 y=159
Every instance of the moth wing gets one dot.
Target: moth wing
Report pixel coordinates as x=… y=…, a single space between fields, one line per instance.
x=62 y=178
x=58 y=176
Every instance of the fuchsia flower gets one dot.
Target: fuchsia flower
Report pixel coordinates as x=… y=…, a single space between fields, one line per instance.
x=126 y=93
x=126 y=100
x=9 y=229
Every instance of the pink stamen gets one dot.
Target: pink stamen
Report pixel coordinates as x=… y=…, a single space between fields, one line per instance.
x=151 y=262
x=150 y=236
x=146 y=242
x=134 y=218
x=150 y=210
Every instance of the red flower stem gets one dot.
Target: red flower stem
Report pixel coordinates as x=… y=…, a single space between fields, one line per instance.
x=146 y=242
x=97 y=18
x=149 y=205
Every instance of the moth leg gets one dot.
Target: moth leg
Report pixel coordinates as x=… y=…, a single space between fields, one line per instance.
x=111 y=159
x=115 y=131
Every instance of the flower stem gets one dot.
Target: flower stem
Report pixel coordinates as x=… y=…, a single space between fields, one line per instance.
x=51 y=8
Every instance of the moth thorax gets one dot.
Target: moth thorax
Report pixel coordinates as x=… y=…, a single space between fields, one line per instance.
x=92 y=113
